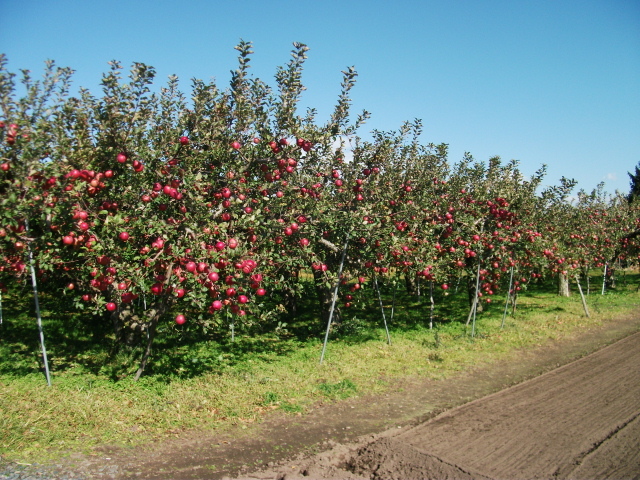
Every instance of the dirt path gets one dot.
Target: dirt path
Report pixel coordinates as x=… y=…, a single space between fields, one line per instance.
x=576 y=421
x=558 y=425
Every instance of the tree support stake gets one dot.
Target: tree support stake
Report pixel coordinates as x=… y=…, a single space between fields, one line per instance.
x=34 y=283
x=335 y=297
x=384 y=318
x=584 y=301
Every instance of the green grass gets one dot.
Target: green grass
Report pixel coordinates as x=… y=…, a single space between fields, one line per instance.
x=203 y=380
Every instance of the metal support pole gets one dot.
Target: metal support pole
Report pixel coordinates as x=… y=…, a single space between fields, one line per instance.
x=335 y=297
x=38 y=316
x=506 y=304
x=375 y=282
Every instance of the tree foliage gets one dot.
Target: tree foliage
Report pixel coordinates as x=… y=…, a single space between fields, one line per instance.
x=215 y=202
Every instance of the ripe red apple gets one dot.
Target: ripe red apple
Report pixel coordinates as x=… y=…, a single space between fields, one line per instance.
x=216 y=305
x=121 y=158
x=236 y=145
x=111 y=306
x=184 y=140
x=124 y=236
x=202 y=267
x=180 y=319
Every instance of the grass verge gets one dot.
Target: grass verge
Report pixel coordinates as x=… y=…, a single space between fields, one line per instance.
x=210 y=382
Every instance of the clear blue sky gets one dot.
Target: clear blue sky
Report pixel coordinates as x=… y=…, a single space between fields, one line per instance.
x=554 y=82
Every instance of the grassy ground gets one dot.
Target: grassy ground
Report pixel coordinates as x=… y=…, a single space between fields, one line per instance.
x=204 y=380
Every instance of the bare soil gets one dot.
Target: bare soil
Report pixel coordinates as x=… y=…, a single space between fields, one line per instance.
x=557 y=411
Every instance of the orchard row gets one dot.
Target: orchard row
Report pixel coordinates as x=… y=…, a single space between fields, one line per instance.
x=213 y=205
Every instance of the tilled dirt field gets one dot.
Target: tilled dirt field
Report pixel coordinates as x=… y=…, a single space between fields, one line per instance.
x=579 y=421
x=558 y=411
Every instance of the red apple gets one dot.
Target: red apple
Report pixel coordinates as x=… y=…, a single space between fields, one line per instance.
x=216 y=305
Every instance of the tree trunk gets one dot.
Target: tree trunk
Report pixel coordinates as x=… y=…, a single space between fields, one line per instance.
x=128 y=328
x=154 y=313
x=410 y=283
x=290 y=296
x=611 y=277
x=324 y=293
x=563 y=285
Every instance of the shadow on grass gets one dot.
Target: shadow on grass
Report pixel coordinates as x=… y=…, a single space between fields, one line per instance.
x=78 y=341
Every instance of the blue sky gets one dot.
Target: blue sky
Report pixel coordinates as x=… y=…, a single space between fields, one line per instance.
x=553 y=82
